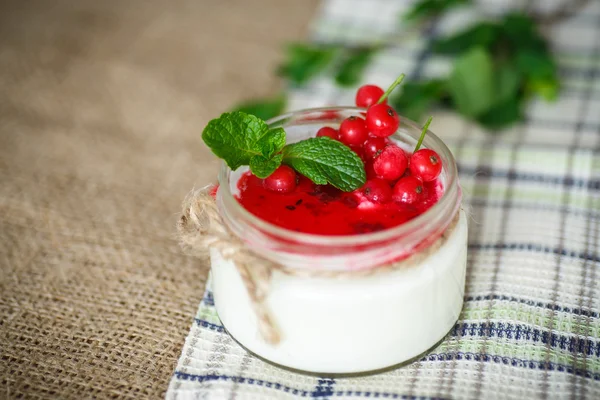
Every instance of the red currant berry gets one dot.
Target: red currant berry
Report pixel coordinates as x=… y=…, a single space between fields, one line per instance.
x=353 y=131
x=382 y=120
x=374 y=145
x=368 y=95
x=369 y=170
x=426 y=165
x=327 y=132
x=360 y=152
x=377 y=190
x=283 y=180
x=391 y=163
x=408 y=190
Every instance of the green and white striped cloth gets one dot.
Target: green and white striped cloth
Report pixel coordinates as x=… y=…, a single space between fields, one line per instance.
x=530 y=327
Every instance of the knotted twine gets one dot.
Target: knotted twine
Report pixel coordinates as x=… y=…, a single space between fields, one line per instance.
x=201 y=229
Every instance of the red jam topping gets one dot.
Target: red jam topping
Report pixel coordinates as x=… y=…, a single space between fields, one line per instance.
x=399 y=186
x=325 y=210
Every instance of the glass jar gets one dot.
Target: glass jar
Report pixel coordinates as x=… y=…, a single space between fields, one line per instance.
x=363 y=316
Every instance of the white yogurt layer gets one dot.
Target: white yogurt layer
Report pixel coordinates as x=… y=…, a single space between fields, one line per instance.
x=349 y=325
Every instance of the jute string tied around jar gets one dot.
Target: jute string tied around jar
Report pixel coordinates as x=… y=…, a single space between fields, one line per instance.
x=201 y=228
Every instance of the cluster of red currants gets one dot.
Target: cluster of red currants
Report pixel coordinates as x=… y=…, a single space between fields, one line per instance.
x=391 y=173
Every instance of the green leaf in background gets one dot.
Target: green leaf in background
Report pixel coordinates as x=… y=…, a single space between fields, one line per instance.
x=472 y=83
x=264 y=109
x=540 y=72
x=484 y=34
x=508 y=82
x=417 y=97
x=353 y=66
x=237 y=137
x=324 y=160
x=548 y=89
x=263 y=167
x=305 y=61
x=521 y=31
x=431 y=8
x=499 y=64
x=502 y=115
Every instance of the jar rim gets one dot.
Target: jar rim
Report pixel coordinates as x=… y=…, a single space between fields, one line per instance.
x=448 y=199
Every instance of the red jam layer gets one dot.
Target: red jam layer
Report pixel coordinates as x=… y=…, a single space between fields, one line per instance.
x=325 y=210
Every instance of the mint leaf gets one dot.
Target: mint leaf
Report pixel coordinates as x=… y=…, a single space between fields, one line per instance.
x=264 y=109
x=305 y=61
x=263 y=167
x=484 y=34
x=472 y=84
x=243 y=139
x=324 y=160
x=272 y=142
x=351 y=70
x=237 y=137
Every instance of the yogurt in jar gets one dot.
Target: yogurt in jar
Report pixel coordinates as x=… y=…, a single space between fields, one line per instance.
x=352 y=324
x=361 y=317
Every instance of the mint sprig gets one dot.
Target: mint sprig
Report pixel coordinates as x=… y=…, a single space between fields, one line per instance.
x=238 y=137
x=244 y=139
x=263 y=167
x=324 y=160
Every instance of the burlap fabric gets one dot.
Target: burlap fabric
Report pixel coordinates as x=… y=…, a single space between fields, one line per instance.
x=101 y=108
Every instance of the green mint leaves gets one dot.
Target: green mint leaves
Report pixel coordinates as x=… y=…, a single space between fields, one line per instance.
x=324 y=160
x=244 y=139
x=238 y=137
x=263 y=166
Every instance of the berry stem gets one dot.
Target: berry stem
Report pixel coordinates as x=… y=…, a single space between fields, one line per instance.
x=423 y=133
x=392 y=87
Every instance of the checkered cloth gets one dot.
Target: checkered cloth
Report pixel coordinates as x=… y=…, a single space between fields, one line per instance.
x=530 y=327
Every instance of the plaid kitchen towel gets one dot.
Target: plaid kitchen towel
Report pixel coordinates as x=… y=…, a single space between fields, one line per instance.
x=530 y=327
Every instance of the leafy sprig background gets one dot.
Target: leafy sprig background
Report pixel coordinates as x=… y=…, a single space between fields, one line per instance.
x=499 y=66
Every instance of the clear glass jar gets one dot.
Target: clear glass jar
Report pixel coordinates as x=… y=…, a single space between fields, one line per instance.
x=352 y=322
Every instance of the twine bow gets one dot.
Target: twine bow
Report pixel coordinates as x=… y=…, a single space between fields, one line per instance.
x=201 y=229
